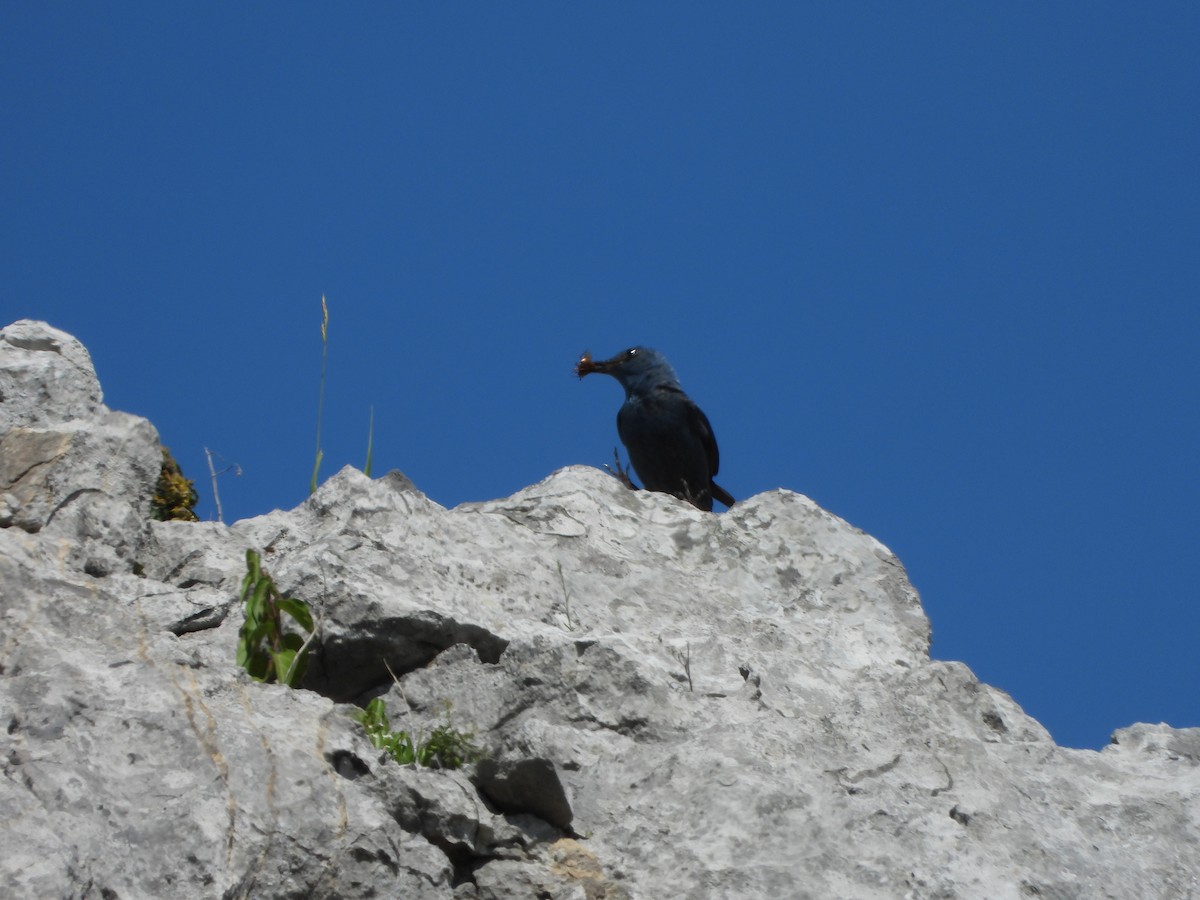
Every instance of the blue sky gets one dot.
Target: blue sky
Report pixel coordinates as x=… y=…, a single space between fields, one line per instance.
x=934 y=265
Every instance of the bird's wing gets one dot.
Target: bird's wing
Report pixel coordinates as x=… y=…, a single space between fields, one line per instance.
x=622 y=417
x=699 y=423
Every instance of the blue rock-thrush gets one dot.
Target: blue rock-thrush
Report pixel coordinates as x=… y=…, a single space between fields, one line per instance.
x=670 y=442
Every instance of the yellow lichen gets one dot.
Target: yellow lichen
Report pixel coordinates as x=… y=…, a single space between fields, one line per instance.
x=174 y=496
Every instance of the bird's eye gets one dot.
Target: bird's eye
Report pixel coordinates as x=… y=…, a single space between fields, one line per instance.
x=632 y=351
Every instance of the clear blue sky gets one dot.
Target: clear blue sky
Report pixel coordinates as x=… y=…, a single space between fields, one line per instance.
x=935 y=265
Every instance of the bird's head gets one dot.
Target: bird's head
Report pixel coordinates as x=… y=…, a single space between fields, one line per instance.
x=638 y=369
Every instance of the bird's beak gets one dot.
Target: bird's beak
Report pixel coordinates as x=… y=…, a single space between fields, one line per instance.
x=587 y=365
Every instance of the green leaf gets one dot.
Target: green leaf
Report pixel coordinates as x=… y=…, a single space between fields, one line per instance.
x=261 y=588
x=299 y=611
x=259 y=666
x=253 y=562
x=283 y=663
x=291 y=641
x=423 y=755
x=376 y=714
x=294 y=674
x=258 y=634
x=299 y=669
x=312 y=487
x=405 y=752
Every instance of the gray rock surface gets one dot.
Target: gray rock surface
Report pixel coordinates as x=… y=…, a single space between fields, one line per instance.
x=675 y=703
x=70 y=468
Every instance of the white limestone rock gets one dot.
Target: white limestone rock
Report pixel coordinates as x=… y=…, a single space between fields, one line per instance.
x=46 y=377
x=675 y=704
x=68 y=465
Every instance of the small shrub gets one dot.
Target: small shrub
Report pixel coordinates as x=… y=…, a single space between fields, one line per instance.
x=445 y=748
x=265 y=650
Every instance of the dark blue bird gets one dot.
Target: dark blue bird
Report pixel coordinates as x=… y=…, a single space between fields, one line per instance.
x=670 y=442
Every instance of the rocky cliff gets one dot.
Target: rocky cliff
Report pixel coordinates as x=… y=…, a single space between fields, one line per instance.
x=675 y=704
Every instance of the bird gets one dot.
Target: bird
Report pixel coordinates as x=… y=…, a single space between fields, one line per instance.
x=669 y=440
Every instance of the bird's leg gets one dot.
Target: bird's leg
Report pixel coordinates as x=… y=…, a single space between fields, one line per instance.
x=688 y=496
x=620 y=473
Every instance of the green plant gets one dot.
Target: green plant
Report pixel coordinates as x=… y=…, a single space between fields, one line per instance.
x=312 y=486
x=320 y=454
x=370 y=443
x=265 y=649
x=444 y=748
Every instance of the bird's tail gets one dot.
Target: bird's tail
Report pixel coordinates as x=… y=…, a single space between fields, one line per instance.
x=721 y=495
